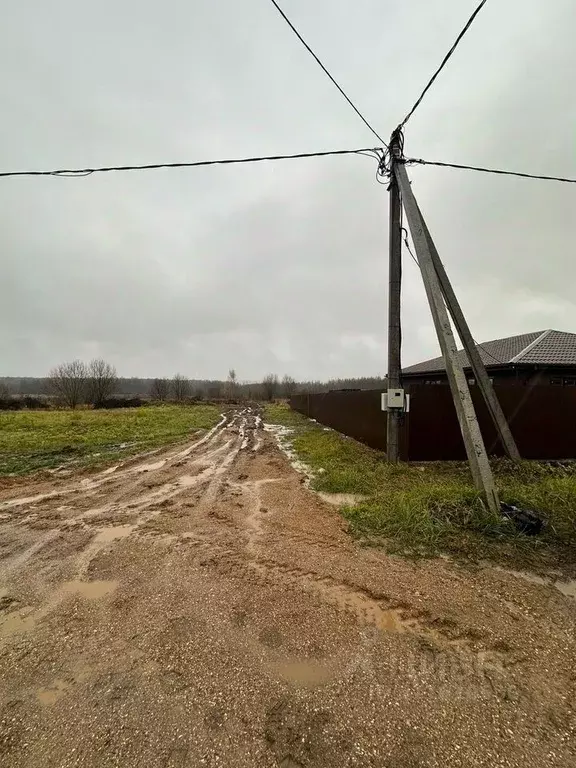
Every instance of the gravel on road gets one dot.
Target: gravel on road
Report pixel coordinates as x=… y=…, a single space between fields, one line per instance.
x=203 y=607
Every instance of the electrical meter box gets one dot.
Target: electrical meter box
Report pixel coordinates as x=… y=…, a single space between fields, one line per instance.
x=395 y=398
x=400 y=400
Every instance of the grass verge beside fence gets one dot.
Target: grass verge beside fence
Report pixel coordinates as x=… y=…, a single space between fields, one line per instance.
x=32 y=440
x=430 y=508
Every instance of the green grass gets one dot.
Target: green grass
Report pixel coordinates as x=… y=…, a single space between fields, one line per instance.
x=32 y=440
x=431 y=508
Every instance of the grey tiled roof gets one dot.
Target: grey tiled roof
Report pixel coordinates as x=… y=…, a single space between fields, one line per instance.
x=556 y=348
x=538 y=348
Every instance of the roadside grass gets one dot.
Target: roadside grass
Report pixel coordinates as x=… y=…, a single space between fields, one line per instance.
x=433 y=508
x=33 y=440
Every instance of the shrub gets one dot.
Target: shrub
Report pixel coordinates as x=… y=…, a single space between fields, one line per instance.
x=120 y=402
x=10 y=404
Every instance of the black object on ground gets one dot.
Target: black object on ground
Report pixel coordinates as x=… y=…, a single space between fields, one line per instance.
x=525 y=520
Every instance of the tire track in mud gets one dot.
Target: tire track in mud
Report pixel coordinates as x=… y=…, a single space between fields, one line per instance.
x=131 y=491
x=116 y=475
x=200 y=467
x=107 y=483
x=381 y=612
x=212 y=458
x=447 y=654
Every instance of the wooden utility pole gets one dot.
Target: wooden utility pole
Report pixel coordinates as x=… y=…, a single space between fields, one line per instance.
x=473 y=442
x=478 y=368
x=394 y=415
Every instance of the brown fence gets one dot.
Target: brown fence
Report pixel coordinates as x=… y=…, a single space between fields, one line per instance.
x=542 y=419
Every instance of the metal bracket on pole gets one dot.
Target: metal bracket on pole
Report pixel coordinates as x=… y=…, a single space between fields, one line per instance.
x=478 y=368
x=473 y=442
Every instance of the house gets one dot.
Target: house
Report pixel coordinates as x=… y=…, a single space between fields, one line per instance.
x=541 y=357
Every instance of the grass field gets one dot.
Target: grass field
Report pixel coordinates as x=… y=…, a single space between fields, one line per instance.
x=429 y=508
x=32 y=440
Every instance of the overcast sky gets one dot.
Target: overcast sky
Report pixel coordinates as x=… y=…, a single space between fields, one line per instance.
x=279 y=266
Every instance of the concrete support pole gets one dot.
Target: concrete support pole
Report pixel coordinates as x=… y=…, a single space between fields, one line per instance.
x=473 y=442
x=480 y=374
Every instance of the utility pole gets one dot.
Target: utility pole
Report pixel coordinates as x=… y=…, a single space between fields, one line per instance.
x=394 y=415
x=473 y=442
x=478 y=368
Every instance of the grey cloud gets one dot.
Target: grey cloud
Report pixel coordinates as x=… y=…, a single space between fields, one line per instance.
x=278 y=266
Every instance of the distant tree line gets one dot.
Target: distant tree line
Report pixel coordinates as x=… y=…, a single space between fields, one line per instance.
x=97 y=383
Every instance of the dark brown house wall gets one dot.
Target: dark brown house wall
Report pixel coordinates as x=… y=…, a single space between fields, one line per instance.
x=542 y=419
x=513 y=376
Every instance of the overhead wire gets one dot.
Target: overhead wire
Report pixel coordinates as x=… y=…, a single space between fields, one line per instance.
x=82 y=172
x=443 y=64
x=381 y=154
x=496 y=359
x=500 y=172
x=415 y=260
x=326 y=72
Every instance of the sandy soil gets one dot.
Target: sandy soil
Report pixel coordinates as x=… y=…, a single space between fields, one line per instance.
x=202 y=607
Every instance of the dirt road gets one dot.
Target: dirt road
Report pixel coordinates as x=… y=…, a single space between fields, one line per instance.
x=202 y=607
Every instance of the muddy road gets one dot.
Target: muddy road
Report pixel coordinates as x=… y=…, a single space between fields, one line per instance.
x=201 y=607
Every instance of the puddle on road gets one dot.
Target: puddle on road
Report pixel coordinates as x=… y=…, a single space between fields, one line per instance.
x=25 y=619
x=107 y=535
x=17 y=621
x=189 y=480
x=53 y=692
x=342 y=499
x=91 y=590
x=567 y=588
x=367 y=610
x=303 y=673
x=31 y=499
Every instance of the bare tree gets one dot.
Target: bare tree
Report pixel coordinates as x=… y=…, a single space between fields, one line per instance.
x=214 y=390
x=102 y=380
x=5 y=390
x=180 y=387
x=231 y=383
x=270 y=386
x=160 y=389
x=289 y=386
x=68 y=382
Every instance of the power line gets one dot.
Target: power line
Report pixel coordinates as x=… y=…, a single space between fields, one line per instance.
x=419 y=161
x=80 y=172
x=443 y=64
x=326 y=72
x=415 y=260
x=496 y=359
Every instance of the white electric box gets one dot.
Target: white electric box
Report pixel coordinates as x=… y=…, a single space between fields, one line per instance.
x=395 y=398
x=399 y=400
